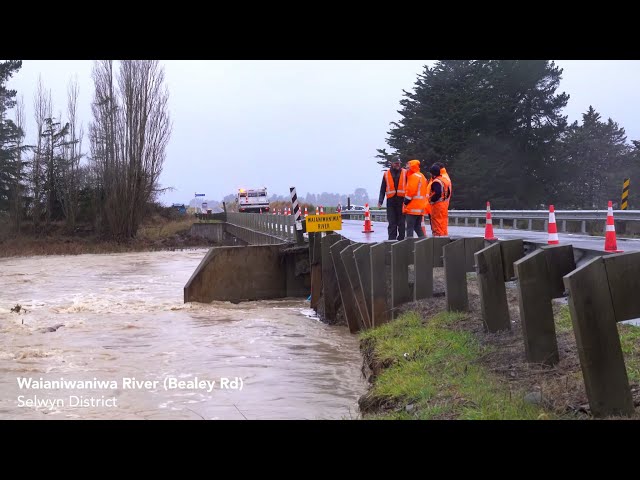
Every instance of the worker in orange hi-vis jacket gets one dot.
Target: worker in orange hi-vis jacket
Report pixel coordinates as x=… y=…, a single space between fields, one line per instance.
x=444 y=175
x=415 y=199
x=439 y=202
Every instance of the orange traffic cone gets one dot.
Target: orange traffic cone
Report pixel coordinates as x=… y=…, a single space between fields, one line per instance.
x=306 y=212
x=424 y=226
x=610 y=244
x=367 y=220
x=488 y=226
x=553 y=228
x=321 y=210
x=274 y=211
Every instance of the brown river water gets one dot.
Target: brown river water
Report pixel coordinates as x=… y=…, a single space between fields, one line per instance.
x=131 y=349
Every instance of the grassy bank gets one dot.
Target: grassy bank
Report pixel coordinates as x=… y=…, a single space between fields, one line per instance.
x=155 y=234
x=442 y=367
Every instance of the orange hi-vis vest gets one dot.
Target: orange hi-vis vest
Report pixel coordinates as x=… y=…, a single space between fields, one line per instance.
x=444 y=176
x=444 y=197
x=427 y=206
x=417 y=193
x=400 y=190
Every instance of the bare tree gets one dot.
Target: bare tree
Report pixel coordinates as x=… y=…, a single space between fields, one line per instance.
x=129 y=136
x=42 y=111
x=17 y=203
x=68 y=186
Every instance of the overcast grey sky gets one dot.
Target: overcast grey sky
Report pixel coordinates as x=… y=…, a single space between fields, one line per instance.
x=314 y=124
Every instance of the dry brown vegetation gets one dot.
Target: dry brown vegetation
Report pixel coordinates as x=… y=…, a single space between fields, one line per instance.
x=156 y=233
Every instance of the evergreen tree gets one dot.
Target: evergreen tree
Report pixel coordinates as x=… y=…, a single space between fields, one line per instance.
x=492 y=123
x=592 y=161
x=10 y=138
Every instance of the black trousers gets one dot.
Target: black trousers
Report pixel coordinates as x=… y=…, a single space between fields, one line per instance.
x=395 y=217
x=414 y=224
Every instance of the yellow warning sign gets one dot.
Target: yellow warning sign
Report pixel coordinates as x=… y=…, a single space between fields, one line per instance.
x=324 y=223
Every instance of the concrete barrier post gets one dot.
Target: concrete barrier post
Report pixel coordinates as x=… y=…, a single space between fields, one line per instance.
x=623 y=272
x=346 y=292
x=536 y=312
x=594 y=324
x=381 y=283
x=455 y=276
x=349 y=261
x=330 y=290
x=315 y=260
x=471 y=246
x=400 y=254
x=362 y=255
x=511 y=250
x=423 y=266
x=560 y=262
x=438 y=253
x=493 y=294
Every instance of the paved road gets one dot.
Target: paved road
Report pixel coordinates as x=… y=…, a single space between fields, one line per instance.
x=352 y=229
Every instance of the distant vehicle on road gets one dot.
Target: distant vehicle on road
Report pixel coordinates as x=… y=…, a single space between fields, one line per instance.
x=252 y=200
x=354 y=208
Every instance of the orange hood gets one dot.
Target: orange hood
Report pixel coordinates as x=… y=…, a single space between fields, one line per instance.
x=414 y=166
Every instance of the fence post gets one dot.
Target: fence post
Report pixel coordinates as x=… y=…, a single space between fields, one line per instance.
x=346 y=292
x=536 y=312
x=381 y=283
x=349 y=261
x=493 y=294
x=455 y=276
x=362 y=255
x=596 y=332
x=423 y=267
x=330 y=291
x=400 y=293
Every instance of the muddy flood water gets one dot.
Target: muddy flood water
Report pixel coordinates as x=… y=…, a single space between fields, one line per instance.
x=129 y=348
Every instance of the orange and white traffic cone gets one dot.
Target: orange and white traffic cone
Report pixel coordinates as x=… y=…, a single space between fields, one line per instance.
x=321 y=210
x=306 y=212
x=553 y=228
x=610 y=243
x=274 y=211
x=367 y=220
x=317 y=210
x=488 y=226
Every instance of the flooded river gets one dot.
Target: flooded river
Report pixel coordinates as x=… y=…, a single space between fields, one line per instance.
x=129 y=348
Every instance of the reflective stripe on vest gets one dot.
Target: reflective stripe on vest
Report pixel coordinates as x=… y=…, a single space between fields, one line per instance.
x=444 y=190
x=391 y=187
x=444 y=176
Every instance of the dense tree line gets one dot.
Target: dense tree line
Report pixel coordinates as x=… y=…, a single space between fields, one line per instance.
x=498 y=127
x=112 y=185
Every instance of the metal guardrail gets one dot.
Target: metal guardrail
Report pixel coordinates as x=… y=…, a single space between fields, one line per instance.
x=281 y=226
x=562 y=216
x=577 y=215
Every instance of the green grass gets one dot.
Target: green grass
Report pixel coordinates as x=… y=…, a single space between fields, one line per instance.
x=630 y=342
x=436 y=369
x=563 y=320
